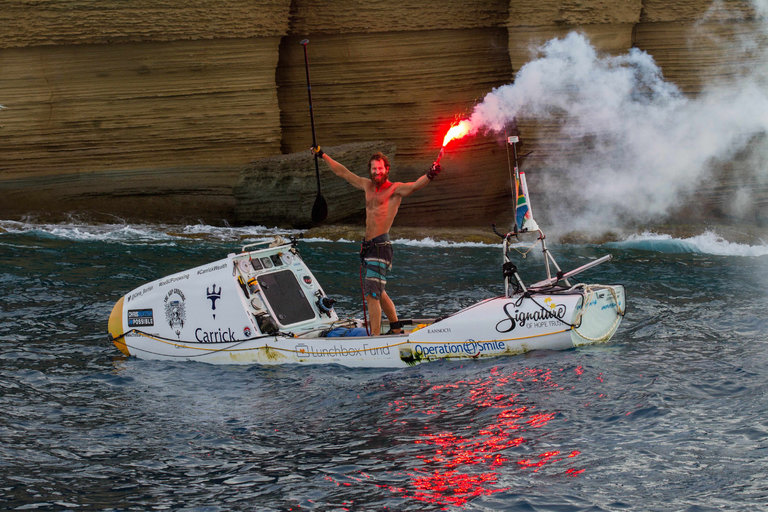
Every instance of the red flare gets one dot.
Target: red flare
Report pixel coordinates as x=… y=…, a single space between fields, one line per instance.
x=457 y=131
x=439 y=156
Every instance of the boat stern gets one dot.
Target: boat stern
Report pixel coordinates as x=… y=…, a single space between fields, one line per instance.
x=115 y=327
x=599 y=314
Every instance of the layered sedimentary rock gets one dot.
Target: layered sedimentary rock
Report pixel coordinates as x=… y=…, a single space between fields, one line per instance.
x=697 y=43
x=143 y=109
x=26 y=23
x=153 y=110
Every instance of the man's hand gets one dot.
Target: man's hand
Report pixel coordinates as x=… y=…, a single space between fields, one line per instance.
x=316 y=151
x=434 y=171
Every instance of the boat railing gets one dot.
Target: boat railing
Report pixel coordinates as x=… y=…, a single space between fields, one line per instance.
x=513 y=283
x=553 y=280
x=260 y=243
x=275 y=241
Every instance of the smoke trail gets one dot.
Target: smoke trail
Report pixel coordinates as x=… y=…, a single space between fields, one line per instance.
x=643 y=147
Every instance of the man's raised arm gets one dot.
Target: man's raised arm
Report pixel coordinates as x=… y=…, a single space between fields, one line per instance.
x=409 y=188
x=339 y=169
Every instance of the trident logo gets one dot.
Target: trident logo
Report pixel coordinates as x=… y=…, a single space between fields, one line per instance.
x=213 y=295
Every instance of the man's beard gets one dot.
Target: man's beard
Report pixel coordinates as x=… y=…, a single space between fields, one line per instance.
x=381 y=179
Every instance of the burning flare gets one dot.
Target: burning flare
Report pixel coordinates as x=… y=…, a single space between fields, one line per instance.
x=457 y=131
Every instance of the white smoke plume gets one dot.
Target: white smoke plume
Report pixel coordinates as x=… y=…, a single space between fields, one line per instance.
x=643 y=146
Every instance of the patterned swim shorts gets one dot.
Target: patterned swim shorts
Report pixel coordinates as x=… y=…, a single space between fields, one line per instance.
x=377 y=261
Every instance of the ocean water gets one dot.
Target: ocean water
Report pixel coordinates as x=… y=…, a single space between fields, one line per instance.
x=671 y=414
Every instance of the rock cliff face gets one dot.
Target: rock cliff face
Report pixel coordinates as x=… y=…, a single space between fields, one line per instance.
x=147 y=110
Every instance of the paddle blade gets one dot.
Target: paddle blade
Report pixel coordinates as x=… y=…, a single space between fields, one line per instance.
x=319 y=209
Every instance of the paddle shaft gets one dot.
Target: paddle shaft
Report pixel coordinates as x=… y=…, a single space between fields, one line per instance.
x=304 y=43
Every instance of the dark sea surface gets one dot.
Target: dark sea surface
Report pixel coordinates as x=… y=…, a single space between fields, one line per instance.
x=671 y=414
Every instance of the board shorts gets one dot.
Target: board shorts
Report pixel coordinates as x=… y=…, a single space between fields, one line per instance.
x=376 y=255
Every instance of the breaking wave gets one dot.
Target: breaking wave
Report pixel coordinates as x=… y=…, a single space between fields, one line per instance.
x=708 y=242
x=142 y=233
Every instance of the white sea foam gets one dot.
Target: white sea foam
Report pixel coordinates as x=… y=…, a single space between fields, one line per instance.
x=124 y=232
x=170 y=233
x=708 y=242
x=421 y=242
x=321 y=240
x=430 y=242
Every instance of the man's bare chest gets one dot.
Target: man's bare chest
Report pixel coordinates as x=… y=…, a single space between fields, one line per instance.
x=380 y=198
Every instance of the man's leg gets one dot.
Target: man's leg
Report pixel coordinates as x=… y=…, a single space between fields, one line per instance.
x=389 y=309
x=374 y=314
x=378 y=262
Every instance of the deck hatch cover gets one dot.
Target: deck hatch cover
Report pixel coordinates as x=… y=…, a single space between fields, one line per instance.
x=286 y=298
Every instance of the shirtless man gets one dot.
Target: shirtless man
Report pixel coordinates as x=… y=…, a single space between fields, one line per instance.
x=382 y=200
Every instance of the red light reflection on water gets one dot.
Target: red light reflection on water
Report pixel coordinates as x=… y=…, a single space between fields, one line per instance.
x=455 y=467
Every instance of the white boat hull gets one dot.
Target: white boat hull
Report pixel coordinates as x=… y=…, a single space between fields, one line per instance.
x=265 y=307
x=203 y=314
